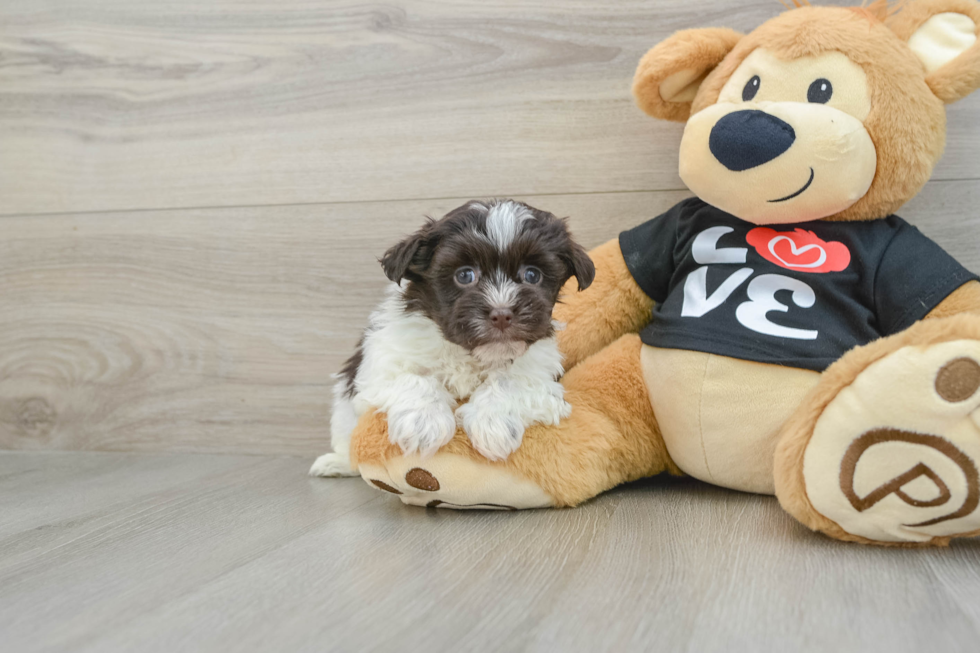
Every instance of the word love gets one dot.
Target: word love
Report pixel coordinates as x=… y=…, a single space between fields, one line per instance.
x=799 y=250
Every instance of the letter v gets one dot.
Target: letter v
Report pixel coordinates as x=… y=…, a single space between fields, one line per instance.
x=696 y=300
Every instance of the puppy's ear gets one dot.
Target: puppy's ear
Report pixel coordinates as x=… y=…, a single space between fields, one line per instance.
x=669 y=75
x=580 y=266
x=408 y=255
x=943 y=35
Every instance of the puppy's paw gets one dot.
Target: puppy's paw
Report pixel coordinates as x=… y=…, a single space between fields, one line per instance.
x=424 y=429
x=332 y=464
x=493 y=433
x=548 y=408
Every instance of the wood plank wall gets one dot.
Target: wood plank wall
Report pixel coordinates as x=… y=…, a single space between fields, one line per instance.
x=193 y=195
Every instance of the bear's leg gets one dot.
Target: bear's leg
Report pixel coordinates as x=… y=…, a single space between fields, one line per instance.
x=610 y=438
x=886 y=449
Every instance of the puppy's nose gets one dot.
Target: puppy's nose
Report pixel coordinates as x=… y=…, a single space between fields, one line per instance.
x=501 y=318
x=746 y=139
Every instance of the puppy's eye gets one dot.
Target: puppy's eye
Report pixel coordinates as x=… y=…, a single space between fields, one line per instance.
x=820 y=91
x=751 y=88
x=466 y=276
x=531 y=275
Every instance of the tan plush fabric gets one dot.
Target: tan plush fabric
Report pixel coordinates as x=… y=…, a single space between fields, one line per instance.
x=455 y=482
x=942 y=38
x=883 y=447
x=890 y=459
x=669 y=75
x=610 y=438
x=791 y=486
x=611 y=307
x=965 y=299
x=833 y=155
x=959 y=77
x=908 y=131
x=907 y=122
x=720 y=417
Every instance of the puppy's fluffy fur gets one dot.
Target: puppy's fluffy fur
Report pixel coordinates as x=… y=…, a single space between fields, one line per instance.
x=469 y=317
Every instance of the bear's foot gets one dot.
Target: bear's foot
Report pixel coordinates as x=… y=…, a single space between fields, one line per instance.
x=611 y=437
x=453 y=481
x=893 y=456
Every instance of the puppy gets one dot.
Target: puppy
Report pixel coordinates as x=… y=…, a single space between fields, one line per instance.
x=469 y=317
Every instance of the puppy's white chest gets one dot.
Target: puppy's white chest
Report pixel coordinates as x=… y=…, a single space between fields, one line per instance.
x=462 y=375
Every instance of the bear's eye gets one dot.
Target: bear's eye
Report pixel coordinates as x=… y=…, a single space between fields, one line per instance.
x=820 y=91
x=466 y=276
x=751 y=88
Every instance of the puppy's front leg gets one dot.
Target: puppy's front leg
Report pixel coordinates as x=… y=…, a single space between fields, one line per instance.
x=420 y=413
x=511 y=399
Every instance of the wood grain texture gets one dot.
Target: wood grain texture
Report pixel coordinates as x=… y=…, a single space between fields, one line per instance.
x=204 y=330
x=132 y=321
x=217 y=330
x=125 y=552
x=116 y=105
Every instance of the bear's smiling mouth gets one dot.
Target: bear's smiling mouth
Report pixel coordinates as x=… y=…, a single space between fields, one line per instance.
x=792 y=195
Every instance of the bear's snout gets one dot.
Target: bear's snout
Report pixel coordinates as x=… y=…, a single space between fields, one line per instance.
x=745 y=139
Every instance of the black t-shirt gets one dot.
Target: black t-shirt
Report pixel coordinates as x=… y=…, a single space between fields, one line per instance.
x=792 y=294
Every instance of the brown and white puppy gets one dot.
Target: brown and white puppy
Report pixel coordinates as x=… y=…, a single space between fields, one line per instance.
x=469 y=317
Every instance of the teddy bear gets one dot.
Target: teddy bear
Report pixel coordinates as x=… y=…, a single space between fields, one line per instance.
x=782 y=331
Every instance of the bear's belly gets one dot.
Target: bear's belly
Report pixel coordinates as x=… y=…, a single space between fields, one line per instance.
x=720 y=417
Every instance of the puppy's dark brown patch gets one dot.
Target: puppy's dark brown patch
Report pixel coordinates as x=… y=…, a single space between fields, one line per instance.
x=430 y=258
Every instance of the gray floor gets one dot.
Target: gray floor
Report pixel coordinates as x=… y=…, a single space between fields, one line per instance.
x=194 y=198
x=175 y=552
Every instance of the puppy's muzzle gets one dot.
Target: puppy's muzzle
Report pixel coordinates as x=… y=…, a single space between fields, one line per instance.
x=501 y=318
x=746 y=139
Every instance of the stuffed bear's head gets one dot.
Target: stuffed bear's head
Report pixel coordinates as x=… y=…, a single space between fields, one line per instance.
x=820 y=113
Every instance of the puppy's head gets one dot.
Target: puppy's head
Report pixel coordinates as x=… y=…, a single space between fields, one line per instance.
x=489 y=274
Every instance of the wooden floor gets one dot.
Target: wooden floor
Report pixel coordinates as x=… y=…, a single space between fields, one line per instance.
x=193 y=196
x=108 y=552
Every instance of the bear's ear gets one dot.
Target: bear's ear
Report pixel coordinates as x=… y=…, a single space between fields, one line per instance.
x=670 y=74
x=943 y=35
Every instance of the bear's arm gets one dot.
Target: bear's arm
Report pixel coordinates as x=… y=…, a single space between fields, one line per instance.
x=597 y=316
x=965 y=299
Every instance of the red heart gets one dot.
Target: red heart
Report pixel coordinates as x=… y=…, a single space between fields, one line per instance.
x=799 y=250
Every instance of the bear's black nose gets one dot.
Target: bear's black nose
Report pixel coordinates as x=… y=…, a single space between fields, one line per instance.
x=746 y=139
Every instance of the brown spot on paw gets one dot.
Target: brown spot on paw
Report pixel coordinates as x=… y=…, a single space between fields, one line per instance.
x=958 y=379
x=420 y=479
x=381 y=485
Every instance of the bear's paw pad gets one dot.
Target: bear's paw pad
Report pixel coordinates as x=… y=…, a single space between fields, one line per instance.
x=453 y=481
x=894 y=457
